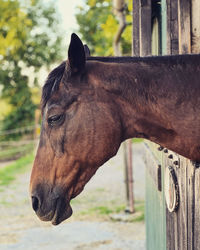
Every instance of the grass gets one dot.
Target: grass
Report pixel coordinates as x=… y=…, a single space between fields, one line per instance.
x=139 y=207
x=11 y=153
x=102 y=210
x=137 y=140
x=111 y=209
x=5 y=203
x=8 y=173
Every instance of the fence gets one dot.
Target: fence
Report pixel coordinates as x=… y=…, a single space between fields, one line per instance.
x=17 y=142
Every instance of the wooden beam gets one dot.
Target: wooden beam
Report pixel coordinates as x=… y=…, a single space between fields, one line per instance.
x=145 y=28
x=191 y=183
x=195 y=27
x=174 y=27
x=196 y=211
x=136 y=28
x=184 y=26
x=168 y=17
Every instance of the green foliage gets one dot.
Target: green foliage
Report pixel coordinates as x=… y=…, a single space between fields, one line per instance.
x=8 y=174
x=29 y=39
x=137 y=140
x=98 y=26
x=5 y=109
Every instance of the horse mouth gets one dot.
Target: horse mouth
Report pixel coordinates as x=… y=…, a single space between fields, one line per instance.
x=61 y=212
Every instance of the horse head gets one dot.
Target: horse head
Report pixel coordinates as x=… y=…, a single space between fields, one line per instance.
x=81 y=129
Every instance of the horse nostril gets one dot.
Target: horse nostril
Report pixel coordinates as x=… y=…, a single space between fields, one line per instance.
x=35 y=203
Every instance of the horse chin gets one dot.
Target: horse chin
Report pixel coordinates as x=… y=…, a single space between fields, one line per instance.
x=61 y=214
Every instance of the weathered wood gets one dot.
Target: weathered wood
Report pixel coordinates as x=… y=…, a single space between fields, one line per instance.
x=182 y=212
x=171 y=217
x=136 y=29
x=168 y=17
x=145 y=28
x=181 y=225
x=197 y=210
x=155 y=203
x=195 y=27
x=155 y=46
x=170 y=234
x=180 y=34
x=191 y=203
x=174 y=27
x=165 y=27
x=184 y=26
x=155 y=170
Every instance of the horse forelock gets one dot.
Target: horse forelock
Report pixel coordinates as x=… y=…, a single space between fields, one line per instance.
x=52 y=83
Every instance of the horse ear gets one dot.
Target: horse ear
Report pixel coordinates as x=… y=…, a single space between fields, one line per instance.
x=87 y=50
x=76 y=54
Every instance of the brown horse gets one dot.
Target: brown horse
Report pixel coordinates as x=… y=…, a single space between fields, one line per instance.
x=91 y=105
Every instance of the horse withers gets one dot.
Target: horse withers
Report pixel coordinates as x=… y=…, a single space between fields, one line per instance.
x=91 y=104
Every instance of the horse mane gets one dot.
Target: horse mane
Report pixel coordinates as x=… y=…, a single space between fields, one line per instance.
x=176 y=59
x=52 y=83
x=54 y=78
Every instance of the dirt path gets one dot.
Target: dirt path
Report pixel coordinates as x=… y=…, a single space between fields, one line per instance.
x=89 y=228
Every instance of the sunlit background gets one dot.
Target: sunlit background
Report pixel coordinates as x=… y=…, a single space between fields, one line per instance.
x=67 y=10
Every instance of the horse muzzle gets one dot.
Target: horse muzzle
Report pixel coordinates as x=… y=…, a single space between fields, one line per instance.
x=50 y=204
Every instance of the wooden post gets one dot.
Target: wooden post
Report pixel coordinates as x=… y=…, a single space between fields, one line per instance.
x=167 y=36
x=128 y=166
x=145 y=28
x=195 y=27
x=125 y=154
x=195 y=177
x=136 y=28
x=174 y=27
x=130 y=178
x=196 y=215
x=184 y=26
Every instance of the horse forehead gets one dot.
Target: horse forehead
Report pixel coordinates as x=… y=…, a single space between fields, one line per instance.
x=60 y=96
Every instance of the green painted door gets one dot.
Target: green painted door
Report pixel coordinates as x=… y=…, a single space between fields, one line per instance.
x=155 y=200
x=155 y=165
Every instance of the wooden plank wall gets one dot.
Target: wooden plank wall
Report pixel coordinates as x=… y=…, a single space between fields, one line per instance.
x=184 y=24
x=136 y=30
x=182 y=228
x=195 y=26
x=145 y=28
x=141 y=28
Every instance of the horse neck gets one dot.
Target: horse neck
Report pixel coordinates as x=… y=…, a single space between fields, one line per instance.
x=146 y=94
x=138 y=97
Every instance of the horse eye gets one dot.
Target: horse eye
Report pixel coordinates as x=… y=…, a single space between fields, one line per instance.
x=54 y=119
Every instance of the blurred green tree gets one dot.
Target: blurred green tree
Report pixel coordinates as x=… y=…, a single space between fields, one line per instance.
x=98 y=26
x=29 y=39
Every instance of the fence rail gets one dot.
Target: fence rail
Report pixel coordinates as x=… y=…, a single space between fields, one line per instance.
x=23 y=140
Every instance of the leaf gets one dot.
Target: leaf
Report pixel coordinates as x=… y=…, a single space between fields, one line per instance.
x=98 y=27
x=29 y=38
